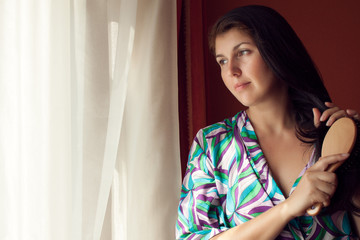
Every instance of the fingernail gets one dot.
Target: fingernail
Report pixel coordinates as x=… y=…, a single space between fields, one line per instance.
x=345 y=154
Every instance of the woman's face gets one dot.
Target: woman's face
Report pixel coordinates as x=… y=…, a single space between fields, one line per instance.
x=243 y=70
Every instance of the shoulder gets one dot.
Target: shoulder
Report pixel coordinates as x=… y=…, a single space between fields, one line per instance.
x=216 y=147
x=220 y=132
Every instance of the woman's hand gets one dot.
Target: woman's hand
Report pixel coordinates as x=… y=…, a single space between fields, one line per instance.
x=316 y=186
x=329 y=116
x=333 y=113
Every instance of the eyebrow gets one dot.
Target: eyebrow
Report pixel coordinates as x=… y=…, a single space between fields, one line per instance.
x=234 y=48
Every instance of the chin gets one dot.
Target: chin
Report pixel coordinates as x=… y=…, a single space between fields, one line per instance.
x=244 y=102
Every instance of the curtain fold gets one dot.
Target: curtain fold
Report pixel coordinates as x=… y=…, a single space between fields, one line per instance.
x=35 y=121
x=192 y=85
x=149 y=140
x=121 y=26
x=77 y=63
x=89 y=126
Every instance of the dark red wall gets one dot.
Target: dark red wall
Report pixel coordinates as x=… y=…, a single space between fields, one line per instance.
x=328 y=28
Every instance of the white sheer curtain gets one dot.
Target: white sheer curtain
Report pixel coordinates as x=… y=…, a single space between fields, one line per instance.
x=88 y=119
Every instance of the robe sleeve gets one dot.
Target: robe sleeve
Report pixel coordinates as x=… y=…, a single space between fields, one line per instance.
x=199 y=211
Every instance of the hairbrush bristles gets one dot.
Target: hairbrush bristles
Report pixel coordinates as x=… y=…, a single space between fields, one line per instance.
x=348 y=180
x=353 y=162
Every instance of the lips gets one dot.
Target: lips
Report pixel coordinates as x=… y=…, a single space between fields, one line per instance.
x=241 y=86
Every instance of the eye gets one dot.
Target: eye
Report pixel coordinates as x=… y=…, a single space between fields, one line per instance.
x=221 y=62
x=243 y=52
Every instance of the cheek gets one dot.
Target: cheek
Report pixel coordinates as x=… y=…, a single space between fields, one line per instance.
x=257 y=65
x=261 y=72
x=225 y=80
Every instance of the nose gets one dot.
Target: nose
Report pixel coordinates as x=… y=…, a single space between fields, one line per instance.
x=234 y=69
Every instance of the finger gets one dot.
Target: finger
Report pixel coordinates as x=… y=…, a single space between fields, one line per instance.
x=324 y=179
x=330 y=104
x=317 y=114
x=326 y=185
x=319 y=191
x=324 y=192
x=328 y=112
x=335 y=116
x=352 y=113
x=324 y=162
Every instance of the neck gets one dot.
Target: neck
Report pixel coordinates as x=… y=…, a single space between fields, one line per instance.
x=272 y=117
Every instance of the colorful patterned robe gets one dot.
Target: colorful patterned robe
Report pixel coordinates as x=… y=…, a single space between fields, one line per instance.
x=228 y=182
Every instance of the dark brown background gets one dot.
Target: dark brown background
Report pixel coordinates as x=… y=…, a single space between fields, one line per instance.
x=329 y=30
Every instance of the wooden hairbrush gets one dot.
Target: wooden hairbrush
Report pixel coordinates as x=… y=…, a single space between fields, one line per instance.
x=340 y=138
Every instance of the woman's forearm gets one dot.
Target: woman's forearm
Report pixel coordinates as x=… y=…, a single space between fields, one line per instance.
x=265 y=226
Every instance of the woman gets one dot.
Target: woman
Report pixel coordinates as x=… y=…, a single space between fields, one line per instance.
x=254 y=176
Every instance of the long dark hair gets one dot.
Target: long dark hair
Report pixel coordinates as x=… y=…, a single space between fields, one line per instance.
x=286 y=56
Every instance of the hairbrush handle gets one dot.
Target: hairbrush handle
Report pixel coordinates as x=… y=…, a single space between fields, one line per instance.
x=315 y=210
x=340 y=138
